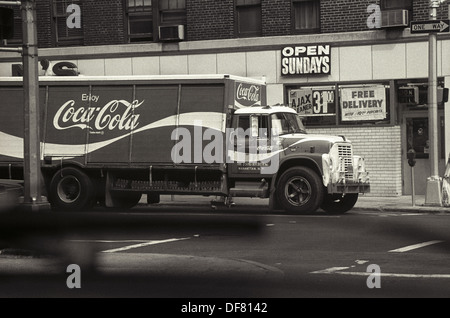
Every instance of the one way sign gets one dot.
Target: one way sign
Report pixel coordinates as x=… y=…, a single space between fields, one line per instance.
x=430 y=26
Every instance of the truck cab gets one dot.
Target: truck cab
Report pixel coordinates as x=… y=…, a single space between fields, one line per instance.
x=300 y=172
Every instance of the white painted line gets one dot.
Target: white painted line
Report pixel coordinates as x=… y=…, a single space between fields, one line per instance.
x=129 y=247
x=413 y=247
x=330 y=270
x=385 y=274
x=108 y=241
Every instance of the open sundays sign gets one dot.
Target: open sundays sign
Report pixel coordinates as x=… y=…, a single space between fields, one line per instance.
x=306 y=60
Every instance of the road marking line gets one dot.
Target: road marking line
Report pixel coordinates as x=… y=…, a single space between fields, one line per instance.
x=415 y=246
x=129 y=247
x=329 y=271
x=109 y=241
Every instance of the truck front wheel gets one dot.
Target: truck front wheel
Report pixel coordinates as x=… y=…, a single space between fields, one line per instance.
x=339 y=205
x=71 y=189
x=300 y=190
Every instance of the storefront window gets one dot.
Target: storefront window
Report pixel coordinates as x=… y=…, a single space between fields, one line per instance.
x=417 y=136
x=361 y=104
x=341 y=104
x=317 y=105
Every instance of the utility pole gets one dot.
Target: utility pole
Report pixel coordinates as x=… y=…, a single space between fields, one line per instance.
x=32 y=199
x=433 y=193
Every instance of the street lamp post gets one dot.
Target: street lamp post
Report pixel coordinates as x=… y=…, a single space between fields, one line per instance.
x=433 y=193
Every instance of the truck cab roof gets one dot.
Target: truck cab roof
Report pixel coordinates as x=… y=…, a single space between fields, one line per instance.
x=265 y=110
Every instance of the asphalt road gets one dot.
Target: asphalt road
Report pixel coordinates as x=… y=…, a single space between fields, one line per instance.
x=196 y=252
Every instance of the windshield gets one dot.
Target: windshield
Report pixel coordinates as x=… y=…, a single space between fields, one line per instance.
x=287 y=123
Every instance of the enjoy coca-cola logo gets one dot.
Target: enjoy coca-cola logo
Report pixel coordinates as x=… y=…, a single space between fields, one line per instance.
x=116 y=114
x=248 y=94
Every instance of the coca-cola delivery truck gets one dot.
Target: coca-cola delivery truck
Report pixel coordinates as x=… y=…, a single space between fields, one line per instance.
x=109 y=140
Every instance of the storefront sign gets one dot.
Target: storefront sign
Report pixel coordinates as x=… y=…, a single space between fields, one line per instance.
x=312 y=101
x=408 y=95
x=363 y=103
x=306 y=60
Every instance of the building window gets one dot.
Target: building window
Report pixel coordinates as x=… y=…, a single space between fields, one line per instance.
x=140 y=20
x=306 y=16
x=172 y=12
x=396 y=4
x=17 y=36
x=248 y=17
x=67 y=22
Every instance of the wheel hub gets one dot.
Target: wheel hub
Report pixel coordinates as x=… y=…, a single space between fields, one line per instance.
x=69 y=189
x=298 y=191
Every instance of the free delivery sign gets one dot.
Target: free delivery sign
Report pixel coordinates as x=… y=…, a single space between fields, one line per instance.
x=363 y=103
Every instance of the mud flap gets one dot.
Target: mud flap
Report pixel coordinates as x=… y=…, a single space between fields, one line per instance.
x=108 y=186
x=274 y=206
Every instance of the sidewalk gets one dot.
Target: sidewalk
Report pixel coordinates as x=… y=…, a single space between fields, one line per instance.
x=365 y=203
x=402 y=203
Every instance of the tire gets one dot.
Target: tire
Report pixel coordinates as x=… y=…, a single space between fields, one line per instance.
x=71 y=190
x=125 y=200
x=339 y=205
x=300 y=190
x=153 y=198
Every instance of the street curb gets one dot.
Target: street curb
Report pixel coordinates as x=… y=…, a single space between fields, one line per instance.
x=410 y=209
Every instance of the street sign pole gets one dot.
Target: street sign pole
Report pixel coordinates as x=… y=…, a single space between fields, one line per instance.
x=433 y=192
x=33 y=200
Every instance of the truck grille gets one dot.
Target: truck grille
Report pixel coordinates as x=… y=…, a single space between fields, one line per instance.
x=345 y=155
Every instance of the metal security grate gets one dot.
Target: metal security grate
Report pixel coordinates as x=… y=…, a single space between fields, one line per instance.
x=345 y=155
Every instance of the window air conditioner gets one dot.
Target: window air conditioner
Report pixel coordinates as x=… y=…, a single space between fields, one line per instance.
x=171 y=33
x=394 y=18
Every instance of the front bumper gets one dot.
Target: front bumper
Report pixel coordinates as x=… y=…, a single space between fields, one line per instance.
x=348 y=187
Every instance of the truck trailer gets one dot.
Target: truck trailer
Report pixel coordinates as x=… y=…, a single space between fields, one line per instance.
x=109 y=140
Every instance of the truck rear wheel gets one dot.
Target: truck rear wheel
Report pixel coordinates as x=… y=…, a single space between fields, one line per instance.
x=125 y=200
x=153 y=198
x=71 y=189
x=300 y=190
x=339 y=205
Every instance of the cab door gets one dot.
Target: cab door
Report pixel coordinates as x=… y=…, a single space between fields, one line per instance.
x=248 y=145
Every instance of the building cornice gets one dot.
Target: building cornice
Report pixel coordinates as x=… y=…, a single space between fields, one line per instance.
x=372 y=37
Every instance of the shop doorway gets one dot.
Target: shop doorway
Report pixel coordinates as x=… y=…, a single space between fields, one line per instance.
x=415 y=135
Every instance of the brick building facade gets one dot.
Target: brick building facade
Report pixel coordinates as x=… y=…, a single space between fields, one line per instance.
x=249 y=37
x=105 y=22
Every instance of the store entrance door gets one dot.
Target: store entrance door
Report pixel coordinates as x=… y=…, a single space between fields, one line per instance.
x=415 y=135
